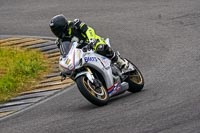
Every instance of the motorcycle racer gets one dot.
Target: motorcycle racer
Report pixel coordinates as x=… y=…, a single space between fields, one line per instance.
x=76 y=30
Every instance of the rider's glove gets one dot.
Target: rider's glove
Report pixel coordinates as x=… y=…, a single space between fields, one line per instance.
x=74 y=39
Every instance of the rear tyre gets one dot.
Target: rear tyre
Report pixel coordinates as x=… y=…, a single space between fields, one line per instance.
x=135 y=80
x=97 y=96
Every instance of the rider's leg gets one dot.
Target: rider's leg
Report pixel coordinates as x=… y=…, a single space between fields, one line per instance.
x=105 y=50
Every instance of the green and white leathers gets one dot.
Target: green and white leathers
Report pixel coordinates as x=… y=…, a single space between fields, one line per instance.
x=83 y=32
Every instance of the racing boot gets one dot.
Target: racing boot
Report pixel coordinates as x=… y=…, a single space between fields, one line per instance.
x=122 y=63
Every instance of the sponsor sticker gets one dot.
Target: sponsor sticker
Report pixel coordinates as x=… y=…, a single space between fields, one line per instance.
x=88 y=59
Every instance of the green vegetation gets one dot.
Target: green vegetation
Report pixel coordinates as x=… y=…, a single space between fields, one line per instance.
x=20 y=69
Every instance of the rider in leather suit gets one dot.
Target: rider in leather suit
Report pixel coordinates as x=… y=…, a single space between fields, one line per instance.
x=66 y=30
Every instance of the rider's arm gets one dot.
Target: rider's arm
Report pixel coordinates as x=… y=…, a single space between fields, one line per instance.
x=90 y=33
x=86 y=30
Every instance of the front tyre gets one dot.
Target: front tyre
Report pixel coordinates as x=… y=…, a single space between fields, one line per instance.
x=135 y=80
x=97 y=96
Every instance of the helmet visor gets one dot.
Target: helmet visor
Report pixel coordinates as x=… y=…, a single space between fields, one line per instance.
x=58 y=31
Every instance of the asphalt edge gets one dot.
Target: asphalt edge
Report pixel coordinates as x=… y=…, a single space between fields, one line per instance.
x=45 y=99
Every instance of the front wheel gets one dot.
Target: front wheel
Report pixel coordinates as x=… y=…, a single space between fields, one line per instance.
x=135 y=80
x=97 y=96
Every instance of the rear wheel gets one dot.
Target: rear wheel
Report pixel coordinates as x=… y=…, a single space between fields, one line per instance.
x=97 y=96
x=135 y=80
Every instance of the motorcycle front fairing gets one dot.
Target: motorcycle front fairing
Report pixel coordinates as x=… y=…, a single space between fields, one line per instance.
x=76 y=58
x=101 y=64
x=71 y=59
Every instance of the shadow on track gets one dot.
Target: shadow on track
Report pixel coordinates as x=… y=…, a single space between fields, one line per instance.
x=125 y=95
x=89 y=106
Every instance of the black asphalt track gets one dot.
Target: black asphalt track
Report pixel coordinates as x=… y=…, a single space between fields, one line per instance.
x=162 y=37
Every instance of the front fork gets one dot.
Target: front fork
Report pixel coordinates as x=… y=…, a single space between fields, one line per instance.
x=88 y=73
x=95 y=81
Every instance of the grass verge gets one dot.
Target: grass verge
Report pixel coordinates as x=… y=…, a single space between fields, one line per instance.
x=20 y=69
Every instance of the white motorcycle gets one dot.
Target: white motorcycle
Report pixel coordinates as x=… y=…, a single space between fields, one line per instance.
x=96 y=77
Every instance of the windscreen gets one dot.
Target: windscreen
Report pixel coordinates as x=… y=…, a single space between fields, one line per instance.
x=65 y=48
